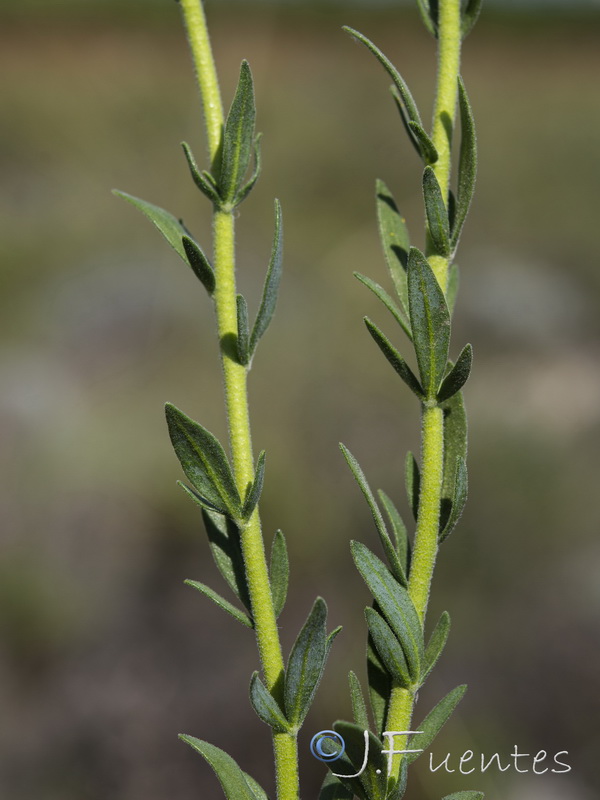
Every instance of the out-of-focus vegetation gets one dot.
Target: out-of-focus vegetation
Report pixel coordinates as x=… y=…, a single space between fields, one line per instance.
x=102 y=647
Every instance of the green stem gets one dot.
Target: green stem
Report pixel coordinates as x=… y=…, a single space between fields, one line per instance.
x=236 y=397
x=401 y=706
x=444 y=113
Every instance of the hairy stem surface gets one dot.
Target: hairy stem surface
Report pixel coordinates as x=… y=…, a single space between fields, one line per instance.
x=236 y=396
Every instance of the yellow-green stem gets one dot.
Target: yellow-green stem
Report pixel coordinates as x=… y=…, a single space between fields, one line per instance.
x=236 y=397
x=444 y=112
x=401 y=706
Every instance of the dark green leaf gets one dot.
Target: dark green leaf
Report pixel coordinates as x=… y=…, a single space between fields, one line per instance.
x=464 y=796
x=267 y=707
x=167 y=224
x=469 y=16
x=256 y=787
x=203 y=180
x=395 y=603
x=395 y=359
x=245 y=190
x=467 y=163
x=429 y=322
x=434 y=721
x=199 y=263
x=403 y=90
x=221 y=602
x=332 y=789
x=380 y=686
x=238 y=138
x=457 y=377
x=429 y=16
x=359 y=707
x=232 y=779
x=384 y=536
x=271 y=287
x=412 y=479
x=436 y=213
x=204 y=462
x=436 y=644
x=243 y=333
x=425 y=145
x=394 y=240
x=306 y=664
x=455 y=447
x=372 y=783
x=224 y=541
x=461 y=489
x=255 y=489
x=452 y=290
x=389 y=649
x=387 y=301
x=279 y=571
x=198 y=498
x=399 y=529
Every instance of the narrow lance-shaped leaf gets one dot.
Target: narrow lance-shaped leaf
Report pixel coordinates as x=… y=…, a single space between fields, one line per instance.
x=399 y=82
x=428 y=16
x=232 y=779
x=271 y=286
x=243 y=333
x=387 y=301
x=199 y=263
x=399 y=529
x=469 y=16
x=389 y=649
x=412 y=480
x=240 y=616
x=204 y=462
x=436 y=644
x=459 y=498
x=452 y=290
x=255 y=489
x=429 y=321
x=395 y=359
x=394 y=240
x=238 y=137
x=224 y=542
x=203 y=180
x=167 y=224
x=359 y=707
x=434 y=721
x=455 y=447
x=436 y=213
x=457 y=377
x=388 y=547
x=266 y=707
x=333 y=789
x=467 y=163
x=247 y=188
x=306 y=664
x=279 y=571
x=380 y=686
x=394 y=602
x=417 y=136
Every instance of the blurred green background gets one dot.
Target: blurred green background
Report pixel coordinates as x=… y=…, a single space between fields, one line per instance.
x=104 y=655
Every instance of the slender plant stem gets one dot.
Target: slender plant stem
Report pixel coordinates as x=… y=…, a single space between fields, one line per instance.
x=425 y=548
x=444 y=112
x=236 y=395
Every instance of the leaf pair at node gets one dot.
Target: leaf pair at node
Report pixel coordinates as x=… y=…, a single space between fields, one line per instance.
x=306 y=664
x=226 y=186
x=429 y=319
x=469 y=13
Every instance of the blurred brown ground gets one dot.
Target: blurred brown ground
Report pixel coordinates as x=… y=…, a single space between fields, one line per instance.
x=104 y=654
